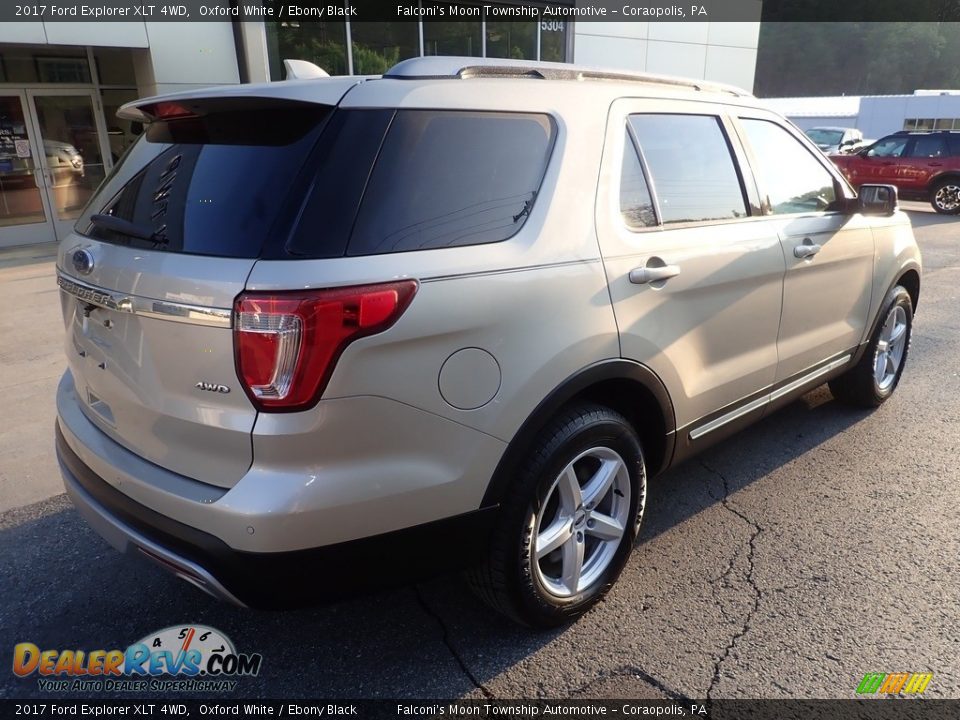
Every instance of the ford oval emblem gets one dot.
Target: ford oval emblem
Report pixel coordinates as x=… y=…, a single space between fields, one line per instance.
x=82 y=261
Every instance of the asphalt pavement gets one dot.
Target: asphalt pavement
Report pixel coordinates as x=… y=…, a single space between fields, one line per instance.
x=812 y=548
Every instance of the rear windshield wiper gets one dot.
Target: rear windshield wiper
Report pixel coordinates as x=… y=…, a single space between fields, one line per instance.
x=124 y=227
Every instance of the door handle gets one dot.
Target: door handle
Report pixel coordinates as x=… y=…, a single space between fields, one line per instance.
x=805 y=251
x=644 y=275
x=935 y=164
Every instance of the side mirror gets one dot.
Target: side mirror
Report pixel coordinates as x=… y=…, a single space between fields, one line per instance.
x=878 y=200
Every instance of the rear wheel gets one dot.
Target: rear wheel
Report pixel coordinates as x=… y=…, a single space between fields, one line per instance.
x=945 y=196
x=569 y=521
x=874 y=378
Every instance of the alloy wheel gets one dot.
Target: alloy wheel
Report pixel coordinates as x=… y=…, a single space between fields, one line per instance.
x=890 y=348
x=947 y=198
x=581 y=522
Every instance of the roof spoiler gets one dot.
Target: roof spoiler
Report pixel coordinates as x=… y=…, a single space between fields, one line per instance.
x=303 y=70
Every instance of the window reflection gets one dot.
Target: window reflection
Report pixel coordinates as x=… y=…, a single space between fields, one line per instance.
x=806 y=187
x=553 y=40
x=322 y=43
x=515 y=40
x=378 y=46
x=461 y=37
x=20 y=201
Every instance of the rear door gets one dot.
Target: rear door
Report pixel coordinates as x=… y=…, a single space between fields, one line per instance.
x=149 y=276
x=695 y=281
x=926 y=157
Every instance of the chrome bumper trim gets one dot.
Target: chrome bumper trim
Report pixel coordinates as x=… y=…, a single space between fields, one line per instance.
x=126 y=540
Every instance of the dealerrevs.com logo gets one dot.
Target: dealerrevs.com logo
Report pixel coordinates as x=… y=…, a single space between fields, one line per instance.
x=187 y=658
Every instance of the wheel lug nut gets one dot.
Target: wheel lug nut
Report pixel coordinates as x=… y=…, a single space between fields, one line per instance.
x=591 y=523
x=579 y=537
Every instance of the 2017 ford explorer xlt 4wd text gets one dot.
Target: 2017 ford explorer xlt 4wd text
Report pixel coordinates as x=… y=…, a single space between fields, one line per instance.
x=324 y=332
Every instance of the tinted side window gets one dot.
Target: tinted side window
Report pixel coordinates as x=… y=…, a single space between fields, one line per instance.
x=450 y=178
x=954 y=141
x=888 y=147
x=340 y=165
x=792 y=178
x=929 y=147
x=636 y=206
x=691 y=167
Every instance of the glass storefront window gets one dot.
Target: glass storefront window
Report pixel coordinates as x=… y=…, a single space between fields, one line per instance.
x=514 y=40
x=378 y=46
x=20 y=201
x=120 y=134
x=462 y=37
x=27 y=64
x=322 y=43
x=115 y=66
x=68 y=129
x=553 y=40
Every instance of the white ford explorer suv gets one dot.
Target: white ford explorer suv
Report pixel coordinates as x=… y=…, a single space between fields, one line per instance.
x=323 y=332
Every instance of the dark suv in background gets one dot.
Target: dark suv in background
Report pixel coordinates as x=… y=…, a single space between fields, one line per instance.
x=923 y=166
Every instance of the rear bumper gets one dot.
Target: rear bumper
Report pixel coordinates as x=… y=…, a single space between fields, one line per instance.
x=355 y=468
x=271 y=580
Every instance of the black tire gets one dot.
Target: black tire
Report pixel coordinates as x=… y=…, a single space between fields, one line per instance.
x=859 y=386
x=945 y=196
x=512 y=580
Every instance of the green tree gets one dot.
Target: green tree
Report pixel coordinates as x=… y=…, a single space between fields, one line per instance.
x=856 y=58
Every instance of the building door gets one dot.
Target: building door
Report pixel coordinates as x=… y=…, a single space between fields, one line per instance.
x=70 y=131
x=25 y=212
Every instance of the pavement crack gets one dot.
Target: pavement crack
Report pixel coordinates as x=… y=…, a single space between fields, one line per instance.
x=637 y=672
x=446 y=640
x=755 y=530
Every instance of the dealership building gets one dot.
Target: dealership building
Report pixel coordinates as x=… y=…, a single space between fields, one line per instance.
x=875 y=115
x=62 y=82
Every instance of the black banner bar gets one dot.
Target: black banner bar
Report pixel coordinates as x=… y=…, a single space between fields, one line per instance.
x=305 y=11
x=874 y=709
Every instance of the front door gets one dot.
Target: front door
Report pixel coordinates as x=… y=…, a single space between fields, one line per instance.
x=828 y=252
x=70 y=136
x=881 y=163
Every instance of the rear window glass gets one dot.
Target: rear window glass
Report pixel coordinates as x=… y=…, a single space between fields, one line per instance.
x=208 y=185
x=451 y=178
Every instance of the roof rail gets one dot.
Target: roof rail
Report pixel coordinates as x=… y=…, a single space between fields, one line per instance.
x=463 y=68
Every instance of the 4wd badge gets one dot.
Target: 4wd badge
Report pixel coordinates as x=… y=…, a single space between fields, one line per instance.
x=212 y=387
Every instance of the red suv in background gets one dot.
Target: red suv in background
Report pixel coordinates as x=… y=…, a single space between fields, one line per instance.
x=923 y=166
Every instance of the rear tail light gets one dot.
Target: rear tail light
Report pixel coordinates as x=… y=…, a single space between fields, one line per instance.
x=288 y=343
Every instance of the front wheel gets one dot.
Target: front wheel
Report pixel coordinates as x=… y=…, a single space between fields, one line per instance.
x=874 y=378
x=945 y=196
x=569 y=521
